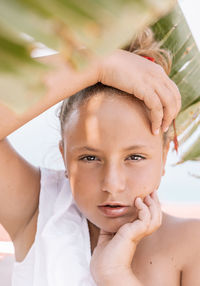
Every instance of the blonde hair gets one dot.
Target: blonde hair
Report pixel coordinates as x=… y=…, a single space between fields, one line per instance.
x=144 y=44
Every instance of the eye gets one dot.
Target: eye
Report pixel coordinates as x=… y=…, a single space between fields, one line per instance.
x=89 y=158
x=135 y=157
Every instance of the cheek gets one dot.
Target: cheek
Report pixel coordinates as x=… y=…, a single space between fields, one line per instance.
x=84 y=184
x=145 y=179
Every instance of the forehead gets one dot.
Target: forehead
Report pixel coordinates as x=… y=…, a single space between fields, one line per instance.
x=103 y=119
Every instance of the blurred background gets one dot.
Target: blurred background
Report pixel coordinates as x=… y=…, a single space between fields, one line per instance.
x=38 y=141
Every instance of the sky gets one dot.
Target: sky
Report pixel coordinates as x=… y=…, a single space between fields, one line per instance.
x=37 y=141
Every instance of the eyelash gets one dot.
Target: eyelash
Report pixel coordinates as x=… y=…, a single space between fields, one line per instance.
x=85 y=158
x=138 y=156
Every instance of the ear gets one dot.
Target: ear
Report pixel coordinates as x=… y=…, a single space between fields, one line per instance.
x=165 y=153
x=61 y=148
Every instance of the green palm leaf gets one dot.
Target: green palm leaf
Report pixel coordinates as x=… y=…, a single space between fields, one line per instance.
x=66 y=26
x=193 y=153
x=175 y=35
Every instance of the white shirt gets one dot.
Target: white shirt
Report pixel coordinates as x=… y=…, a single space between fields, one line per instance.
x=61 y=252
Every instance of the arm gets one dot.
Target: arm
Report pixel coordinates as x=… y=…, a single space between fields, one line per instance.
x=122 y=278
x=123 y=70
x=19 y=190
x=19 y=180
x=60 y=83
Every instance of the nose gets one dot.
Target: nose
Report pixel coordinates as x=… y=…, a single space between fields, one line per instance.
x=113 y=179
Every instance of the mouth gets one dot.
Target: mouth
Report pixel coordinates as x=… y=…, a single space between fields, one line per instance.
x=113 y=209
x=113 y=204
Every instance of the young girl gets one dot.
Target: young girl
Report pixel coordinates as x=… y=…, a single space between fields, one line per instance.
x=100 y=225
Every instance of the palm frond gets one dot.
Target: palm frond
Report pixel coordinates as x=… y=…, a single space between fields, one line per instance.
x=174 y=34
x=66 y=26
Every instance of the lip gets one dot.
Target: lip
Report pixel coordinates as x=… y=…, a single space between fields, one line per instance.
x=113 y=212
x=112 y=203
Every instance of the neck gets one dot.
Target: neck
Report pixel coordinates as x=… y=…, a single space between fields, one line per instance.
x=94 y=235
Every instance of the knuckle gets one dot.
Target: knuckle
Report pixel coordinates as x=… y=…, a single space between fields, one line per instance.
x=166 y=120
x=158 y=107
x=138 y=92
x=149 y=96
x=169 y=113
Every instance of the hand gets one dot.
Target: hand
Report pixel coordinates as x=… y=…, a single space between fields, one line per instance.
x=125 y=71
x=114 y=251
x=145 y=80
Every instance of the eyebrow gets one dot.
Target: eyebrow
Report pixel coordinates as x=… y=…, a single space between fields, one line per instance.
x=85 y=148
x=139 y=146
x=88 y=148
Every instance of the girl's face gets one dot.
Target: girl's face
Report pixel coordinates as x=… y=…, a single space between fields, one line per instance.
x=111 y=156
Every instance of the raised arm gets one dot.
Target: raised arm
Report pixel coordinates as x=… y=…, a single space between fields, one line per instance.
x=123 y=70
x=19 y=180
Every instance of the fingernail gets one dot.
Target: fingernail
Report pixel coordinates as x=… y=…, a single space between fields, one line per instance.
x=156 y=132
x=139 y=199
x=153 y=194
x=166 y=129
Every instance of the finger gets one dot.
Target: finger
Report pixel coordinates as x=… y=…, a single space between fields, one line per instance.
x=171 y=100
x=138 y=228
x=170 y=84
x=155 y=198
x=155 y=212
x=155 y=106
x=143 y=211
x=174 y=89
x=169 y=104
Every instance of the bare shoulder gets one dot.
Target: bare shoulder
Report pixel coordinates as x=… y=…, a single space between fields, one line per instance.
x=179 y=226
x=182 y=236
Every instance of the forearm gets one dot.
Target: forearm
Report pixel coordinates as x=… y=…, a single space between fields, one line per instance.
x=121 y=279
x=60 y=84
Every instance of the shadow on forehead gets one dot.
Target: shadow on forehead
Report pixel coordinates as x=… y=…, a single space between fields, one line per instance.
x=83 y=96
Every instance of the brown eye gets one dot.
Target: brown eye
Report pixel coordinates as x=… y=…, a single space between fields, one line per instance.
x=135 y=157
x=89 y=158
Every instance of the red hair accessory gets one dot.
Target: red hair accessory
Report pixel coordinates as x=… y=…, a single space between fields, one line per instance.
x=175 y=139
x=149 y=58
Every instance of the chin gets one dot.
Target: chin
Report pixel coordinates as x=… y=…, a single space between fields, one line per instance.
x=113 y=225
